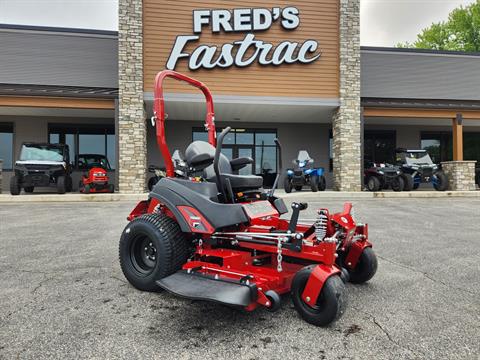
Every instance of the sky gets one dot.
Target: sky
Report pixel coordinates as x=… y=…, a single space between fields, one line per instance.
x=382 y=22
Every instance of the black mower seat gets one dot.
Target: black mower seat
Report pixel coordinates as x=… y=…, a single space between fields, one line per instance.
x=243 y=182
x=238 y=182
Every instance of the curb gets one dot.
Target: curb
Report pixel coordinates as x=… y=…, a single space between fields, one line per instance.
x=23 y=198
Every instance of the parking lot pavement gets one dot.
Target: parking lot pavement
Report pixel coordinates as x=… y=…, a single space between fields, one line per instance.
x=63 y=295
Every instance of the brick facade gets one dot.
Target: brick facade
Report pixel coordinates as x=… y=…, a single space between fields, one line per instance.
x=346 y=125
x=461 y=175
x=132 y=149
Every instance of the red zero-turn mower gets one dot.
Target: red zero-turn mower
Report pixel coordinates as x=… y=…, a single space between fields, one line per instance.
x=222 y=238
x=95 y=180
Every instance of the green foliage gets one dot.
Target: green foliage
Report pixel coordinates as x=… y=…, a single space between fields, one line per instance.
x=461 y=32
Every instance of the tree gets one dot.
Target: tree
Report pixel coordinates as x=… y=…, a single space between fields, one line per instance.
x=461 y=32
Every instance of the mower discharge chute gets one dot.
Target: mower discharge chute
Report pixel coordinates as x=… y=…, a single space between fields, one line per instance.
x=218 y=236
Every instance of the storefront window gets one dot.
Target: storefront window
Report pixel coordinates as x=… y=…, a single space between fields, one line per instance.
x=258 y=144
x=438 y=145
x=85 y=139
x=6 y=145
x=379 y=146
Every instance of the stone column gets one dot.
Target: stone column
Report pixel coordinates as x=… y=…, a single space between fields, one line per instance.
x=131 y=118
x=461 y=175
x=347 y=156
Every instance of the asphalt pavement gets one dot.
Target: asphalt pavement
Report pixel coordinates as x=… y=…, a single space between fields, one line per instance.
x=63 y=295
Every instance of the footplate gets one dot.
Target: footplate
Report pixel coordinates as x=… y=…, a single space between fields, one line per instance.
x=201 y=287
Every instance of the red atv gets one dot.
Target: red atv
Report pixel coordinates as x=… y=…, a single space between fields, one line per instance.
x=217 y=236
x=95 y=180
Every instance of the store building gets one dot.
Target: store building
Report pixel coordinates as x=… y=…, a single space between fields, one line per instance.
x=293 y=70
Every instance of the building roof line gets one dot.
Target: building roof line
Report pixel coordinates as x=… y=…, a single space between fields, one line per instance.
x=417 y=51
x=63 y=30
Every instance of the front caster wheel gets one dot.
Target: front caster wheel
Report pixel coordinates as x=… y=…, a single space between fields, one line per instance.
x=275 y=301
x=152 y=247
x=330 y=304
x=366 y=267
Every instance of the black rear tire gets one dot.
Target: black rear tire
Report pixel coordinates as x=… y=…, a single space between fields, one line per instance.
x=442 y=181
x=366 y=267
x=29 y=189
x=69 y=183
x=166 y=250
x=15 y=187
x=408 y=180
x=322 y=183
x=330 y=304
x=314 y=183
x=111 y=188
x=61 y=184
x=373 y=184
x=287 y=185
x=398 y=184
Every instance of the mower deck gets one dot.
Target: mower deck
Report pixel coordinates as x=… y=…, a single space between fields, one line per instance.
x=200 y=287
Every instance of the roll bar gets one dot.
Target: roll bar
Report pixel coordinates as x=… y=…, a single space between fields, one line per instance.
x=159 y=113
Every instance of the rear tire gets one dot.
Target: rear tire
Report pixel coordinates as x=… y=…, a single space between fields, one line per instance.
x=15 y=187
x=322 y=183
x=373 y=184
x=111 y=188
x=61 y=184
x=86 y=189
x=167 y=250
x=366 y=267
x=408 y=180
x=29 y=189
x=442 y=181
x=398 y=184
x=69 y=184
x=330 y=304
x=314 y=183
x=287 y=185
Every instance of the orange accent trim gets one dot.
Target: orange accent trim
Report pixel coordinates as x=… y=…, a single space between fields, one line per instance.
x=457 y=140
x=420 y=113
x=57 y=102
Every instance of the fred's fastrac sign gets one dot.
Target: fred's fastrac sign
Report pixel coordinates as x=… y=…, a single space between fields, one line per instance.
x=242 y=52
x=274 y=48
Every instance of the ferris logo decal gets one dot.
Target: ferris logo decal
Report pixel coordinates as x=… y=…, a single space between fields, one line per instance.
x=243 y=52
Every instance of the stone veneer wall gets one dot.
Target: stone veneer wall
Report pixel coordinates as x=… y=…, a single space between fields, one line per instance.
x=132 y=149
x=461 y=175
x=347 y=157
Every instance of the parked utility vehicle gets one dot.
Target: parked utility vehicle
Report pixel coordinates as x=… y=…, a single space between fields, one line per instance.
x=95 y=179
x=417 y=167
x=218 y=236
x=381 y=176
x=42 y=165
x=304 y=174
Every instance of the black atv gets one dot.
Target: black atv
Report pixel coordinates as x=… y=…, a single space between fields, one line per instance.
x=417 y=167
x=383 y=176
x=42 y=164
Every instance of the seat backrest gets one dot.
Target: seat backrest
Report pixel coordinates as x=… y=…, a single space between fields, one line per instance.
x=200 y=147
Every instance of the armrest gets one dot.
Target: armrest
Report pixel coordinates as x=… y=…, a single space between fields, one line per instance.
x=240 y=163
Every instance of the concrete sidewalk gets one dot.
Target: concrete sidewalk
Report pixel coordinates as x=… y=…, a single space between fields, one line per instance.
x=77 y=197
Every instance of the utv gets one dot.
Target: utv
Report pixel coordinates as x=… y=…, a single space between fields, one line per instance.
x=95 y=179
x=304 y=174
x=417 y=167
x=42 y=165
x=382 y=176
